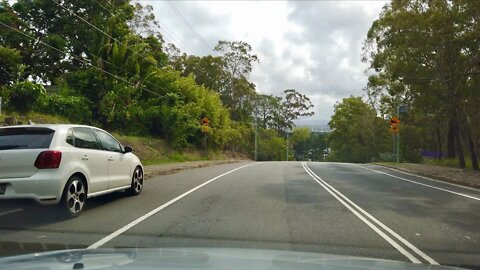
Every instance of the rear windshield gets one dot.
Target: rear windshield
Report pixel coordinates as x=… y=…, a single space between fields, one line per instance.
x=25 y=138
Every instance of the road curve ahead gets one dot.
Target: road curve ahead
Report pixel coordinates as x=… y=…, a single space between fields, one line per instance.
x=335 y=208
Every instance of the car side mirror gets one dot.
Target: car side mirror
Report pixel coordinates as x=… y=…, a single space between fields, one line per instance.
x=127 y=149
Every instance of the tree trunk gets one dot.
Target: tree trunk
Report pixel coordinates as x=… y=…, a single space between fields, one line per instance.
x=451 y=139
x=459 y=146
x=473 y=154
x=469 y=137
x=471 y=144
x=439 y=144
x=264 y=124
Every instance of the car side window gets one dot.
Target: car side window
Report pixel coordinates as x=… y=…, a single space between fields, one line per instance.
x=84 y=138
x=70 y=138
x=108 y=142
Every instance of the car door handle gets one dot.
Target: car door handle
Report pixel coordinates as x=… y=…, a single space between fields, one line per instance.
x=85 y=157
x=110 y=159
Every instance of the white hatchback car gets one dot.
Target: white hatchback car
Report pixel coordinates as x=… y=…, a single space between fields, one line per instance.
x=65 y=164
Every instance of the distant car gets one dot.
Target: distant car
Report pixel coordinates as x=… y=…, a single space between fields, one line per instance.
x=65 y=165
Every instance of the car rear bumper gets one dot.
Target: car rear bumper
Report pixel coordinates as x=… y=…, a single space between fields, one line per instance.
x=45 y=187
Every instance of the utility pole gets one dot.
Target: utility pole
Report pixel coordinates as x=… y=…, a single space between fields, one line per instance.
x=256 y=134
x=394 y=128
x=205 y=143
x=287 y=147
x=256 y=128
x=397 y=157
x=394 y=146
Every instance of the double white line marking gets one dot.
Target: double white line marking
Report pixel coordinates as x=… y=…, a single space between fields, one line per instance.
x=372 y=222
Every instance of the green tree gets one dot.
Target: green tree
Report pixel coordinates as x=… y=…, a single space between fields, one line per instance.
x=311 y=145
x=77 y=109
x=279 y=112
x=294 y=105
x=25 y=96
x=425 y=54
x=267 y=110
x=237 y=57
x=318 y=146
x=239 y=93
x=299 y=141
x=10 y=65
x=300 y=135
x=207 y=70
x=270 y=145
x=357 y=135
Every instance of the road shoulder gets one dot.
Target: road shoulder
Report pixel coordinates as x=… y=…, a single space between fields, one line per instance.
x=171 y=168
x=466 y=178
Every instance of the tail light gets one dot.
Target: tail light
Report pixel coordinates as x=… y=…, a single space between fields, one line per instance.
x=48 y=160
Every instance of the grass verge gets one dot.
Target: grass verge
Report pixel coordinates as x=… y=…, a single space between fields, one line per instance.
x=453 y=163
x=156 y=151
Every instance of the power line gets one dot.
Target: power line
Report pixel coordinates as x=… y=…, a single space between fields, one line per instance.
x=103 y=32
x=109 y=3
x=118 y=68
x=189 y=26
x=121 y=69
x=95 y=27
x=176 y=44
x=104 y=8
x=174 y=39
x=173 y=36
x=79 y=59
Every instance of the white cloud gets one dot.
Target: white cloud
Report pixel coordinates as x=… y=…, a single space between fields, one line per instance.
x=311 y=46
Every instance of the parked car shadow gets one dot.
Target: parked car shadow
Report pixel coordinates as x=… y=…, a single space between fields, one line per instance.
x=23 y=225
x=26 y=215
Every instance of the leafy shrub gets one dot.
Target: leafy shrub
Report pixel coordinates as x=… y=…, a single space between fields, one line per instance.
x=24 y=96
x=76 y=109
x=10 y=65
x=121 y=110
x=270 y=145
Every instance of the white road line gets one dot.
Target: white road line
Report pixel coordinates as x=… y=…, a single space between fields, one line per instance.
x=428 y=178
x=422 y=184
x=130 y=225
x=343 y=199
x=401 y=239
x=11 y=211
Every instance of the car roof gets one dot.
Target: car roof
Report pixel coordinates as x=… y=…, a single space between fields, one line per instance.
x=51 y=126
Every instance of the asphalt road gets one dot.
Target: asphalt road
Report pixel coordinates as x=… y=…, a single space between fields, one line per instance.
x=335 y=208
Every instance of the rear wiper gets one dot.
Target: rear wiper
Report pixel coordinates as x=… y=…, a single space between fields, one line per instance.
x=12 y=146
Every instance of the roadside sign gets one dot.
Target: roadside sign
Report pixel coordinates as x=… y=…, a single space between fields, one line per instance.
x=205 y=121
x=205 y=128
x=394 y=129
x=394 y=121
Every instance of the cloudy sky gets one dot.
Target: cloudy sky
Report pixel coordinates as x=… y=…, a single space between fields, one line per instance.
x=311 y=46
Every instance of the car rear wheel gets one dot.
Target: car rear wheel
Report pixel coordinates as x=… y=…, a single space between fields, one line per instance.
x=137 y=182
x=74 y=196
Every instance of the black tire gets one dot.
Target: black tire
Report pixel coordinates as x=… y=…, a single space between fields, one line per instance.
x=137 y=182
x=74 y=197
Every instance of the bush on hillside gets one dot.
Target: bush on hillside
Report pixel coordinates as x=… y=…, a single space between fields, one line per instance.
x=76 y=109
x=24 y=96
